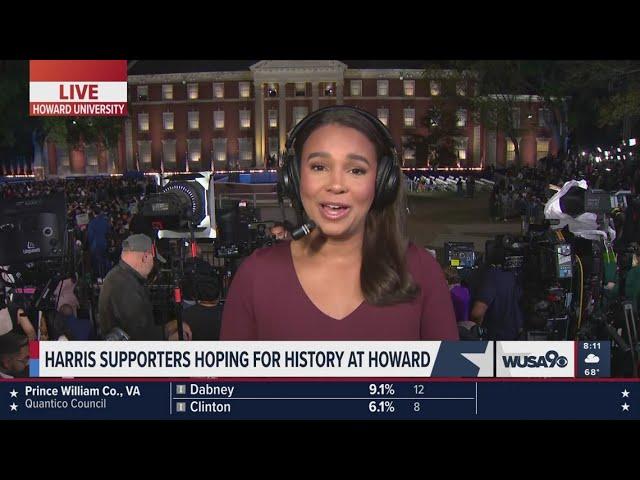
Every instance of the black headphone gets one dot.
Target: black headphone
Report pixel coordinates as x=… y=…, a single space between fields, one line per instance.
x=387 y=177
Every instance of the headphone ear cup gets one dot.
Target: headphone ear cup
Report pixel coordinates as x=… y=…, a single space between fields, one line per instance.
x=290 y=177
x=387 y=182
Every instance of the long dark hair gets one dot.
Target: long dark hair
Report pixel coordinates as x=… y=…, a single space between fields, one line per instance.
x=384 y=277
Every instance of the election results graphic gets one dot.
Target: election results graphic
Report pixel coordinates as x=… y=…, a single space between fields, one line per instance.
x=96 y=88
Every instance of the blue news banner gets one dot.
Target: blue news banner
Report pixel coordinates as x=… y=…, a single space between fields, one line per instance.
x=486 y=387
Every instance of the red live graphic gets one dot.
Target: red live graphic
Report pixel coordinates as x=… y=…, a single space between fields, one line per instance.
x=79 y=92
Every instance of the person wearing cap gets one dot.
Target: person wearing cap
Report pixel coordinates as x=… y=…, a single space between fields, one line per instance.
x=124 y=300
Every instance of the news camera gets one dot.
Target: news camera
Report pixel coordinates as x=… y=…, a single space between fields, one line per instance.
x=241 y=230
x=542 y=264
x=32 y=229
x=36 y=252
x=184 y=207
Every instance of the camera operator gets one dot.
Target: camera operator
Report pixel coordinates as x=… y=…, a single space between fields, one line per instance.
x=631 y=279
x=626 y=245
x=124 y=301
x=496 y=307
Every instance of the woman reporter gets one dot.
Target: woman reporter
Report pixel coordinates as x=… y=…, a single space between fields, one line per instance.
x=354 y=276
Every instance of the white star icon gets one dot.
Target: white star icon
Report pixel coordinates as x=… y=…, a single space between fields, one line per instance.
x=13 y=393
x=14 y=407
x=479 y=360
x=625 y=394
x=625 y=407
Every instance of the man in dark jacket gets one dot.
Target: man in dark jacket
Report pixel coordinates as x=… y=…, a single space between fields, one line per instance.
x=124 y=301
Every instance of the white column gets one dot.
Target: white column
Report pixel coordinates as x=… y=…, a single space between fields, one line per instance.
x=259 y=125
x=339 y=92
x=315 y=102
x=282 y=115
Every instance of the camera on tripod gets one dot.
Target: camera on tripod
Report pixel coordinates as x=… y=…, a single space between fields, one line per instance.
x=184 y=207
x=34 y=251
x=542 y=264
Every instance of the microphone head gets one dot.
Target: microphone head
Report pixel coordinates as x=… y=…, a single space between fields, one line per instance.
x=304 y=230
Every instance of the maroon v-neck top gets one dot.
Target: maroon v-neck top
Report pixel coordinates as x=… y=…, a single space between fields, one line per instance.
x=267 y=302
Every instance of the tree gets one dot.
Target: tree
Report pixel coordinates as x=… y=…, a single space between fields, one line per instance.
x=438 y=144
x=614 y=88
x=21 y=135
x=18 y=131
x=502 y=85
x=76 y=131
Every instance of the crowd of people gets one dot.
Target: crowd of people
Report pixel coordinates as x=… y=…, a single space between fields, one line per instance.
x=114 y=251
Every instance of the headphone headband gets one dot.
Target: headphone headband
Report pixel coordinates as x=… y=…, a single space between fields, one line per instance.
x=388 y=171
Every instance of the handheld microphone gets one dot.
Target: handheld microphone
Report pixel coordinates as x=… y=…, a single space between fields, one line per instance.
x=304 y=230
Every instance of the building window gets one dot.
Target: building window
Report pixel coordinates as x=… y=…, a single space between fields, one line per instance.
x=245 y=119
x=383 y=116
x=143 y=93
x=461 y=117
x=542 y=148
x=515 y=117
x=194 y=120
x=143 y=122
x=246 y=148
x=434 y=116
x=245 y=89
x=409 y=117
x=383 y=88
x=511 y=150
x=274 y=146
x=273 y=118
x=167 y=92
x=461 y=89
x=301 y=89
x=435 y=87
x=218 y=119
x=329 y=89
x=298 y=114
x=220 y=149
x=542 y=116
x=461 y=144
x=194 y=147
x=218 y=90
x=169 y=154
x=192 y=91
x=356 y=88
x=409 y=88
x=167 y=120
x=408 y=153
x=272 y=90
x=144 y=152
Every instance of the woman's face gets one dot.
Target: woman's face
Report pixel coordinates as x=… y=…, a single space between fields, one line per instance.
x=337 y=179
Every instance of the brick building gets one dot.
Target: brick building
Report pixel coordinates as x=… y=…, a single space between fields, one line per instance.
x=216 y=114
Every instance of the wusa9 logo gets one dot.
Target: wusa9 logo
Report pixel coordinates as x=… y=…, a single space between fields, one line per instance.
x=550 y=360
x=535 y=359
